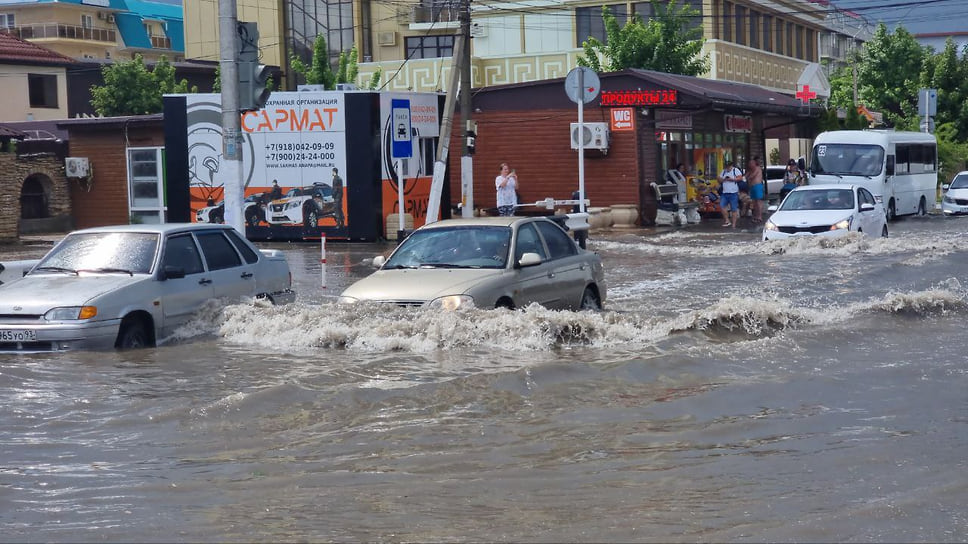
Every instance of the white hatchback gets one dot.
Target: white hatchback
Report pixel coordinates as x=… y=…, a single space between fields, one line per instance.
x=955 y=200
x=826 y=210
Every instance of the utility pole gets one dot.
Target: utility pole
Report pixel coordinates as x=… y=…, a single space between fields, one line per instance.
x=446 y=124
x=231 y=167
x=466 y=162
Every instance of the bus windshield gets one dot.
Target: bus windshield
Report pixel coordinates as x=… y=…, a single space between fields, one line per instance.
x=847 y=159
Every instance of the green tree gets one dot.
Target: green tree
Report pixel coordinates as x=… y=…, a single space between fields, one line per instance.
x=889 y=73
x=319 y=71
x=668 y=42
x=131 y=89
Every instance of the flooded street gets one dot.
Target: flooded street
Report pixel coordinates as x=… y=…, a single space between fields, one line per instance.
x=733 y=390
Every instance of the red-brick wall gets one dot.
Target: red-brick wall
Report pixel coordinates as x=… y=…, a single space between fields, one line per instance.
x=107 y=201
x=538 y=145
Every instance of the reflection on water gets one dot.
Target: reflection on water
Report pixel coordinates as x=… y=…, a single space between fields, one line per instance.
x=731 y=392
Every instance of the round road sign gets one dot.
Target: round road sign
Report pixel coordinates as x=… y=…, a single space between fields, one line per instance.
x=585 y=90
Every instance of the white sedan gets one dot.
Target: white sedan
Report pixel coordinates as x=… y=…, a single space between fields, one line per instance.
x=955 y=200
x=826 y=210
x=130 y=286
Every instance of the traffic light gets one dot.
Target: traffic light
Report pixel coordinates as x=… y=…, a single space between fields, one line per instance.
x=252 y=75
x=253 y=92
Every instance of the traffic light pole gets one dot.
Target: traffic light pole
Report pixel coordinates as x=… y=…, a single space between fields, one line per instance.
x=231 y=166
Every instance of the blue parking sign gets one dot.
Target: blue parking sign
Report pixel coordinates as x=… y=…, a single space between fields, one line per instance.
x=402 y=147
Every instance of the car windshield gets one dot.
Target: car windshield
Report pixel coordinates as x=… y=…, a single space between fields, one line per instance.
x=131 y=252
x=824 y=199
x=453 y=247
x=959 y=182
x=847 y=159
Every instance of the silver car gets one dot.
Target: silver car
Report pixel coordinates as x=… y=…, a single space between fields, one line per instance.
x=131 y=286
x=486 y=262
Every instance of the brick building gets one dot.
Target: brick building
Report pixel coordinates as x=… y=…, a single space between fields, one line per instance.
x=665 y=119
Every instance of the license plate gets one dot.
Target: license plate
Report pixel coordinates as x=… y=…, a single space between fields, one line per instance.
x=17 y=336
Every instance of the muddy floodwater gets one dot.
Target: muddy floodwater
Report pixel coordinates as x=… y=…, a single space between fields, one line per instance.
x=732 y=390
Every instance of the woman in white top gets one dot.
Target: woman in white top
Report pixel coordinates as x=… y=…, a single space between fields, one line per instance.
x=506 y=184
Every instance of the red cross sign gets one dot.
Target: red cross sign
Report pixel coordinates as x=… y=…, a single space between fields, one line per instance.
x=806 y=94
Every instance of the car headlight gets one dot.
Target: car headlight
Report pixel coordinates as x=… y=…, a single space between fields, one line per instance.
x=71 y=313
x=841 y=225
x=291 y=205
x=452 y=302
x=948 y=199
x=347 y=300
x=769 y=225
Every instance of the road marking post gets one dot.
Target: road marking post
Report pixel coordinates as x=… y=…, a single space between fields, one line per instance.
x=322 y=258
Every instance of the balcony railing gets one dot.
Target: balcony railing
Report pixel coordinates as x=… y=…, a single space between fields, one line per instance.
x=59 y=30
x=434 y=14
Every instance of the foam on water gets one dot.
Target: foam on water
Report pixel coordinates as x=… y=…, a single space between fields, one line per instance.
x=924 y=245
x=380 y=328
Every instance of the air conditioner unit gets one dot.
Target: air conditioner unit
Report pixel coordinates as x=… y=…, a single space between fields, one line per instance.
x=595 y=135
x=110 y=18
x=387 y=38
x=77 y=167
x=346 y=87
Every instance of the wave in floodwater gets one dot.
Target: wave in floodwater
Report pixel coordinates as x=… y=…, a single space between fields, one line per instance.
x=703 y=244
x=382 y=328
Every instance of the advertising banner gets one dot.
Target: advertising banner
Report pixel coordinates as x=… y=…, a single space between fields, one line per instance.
x=293 y=160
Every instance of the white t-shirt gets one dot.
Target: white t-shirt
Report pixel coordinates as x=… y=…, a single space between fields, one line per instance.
x=506 y=195
x=731 y=186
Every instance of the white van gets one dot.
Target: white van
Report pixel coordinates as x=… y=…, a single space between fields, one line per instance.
x=899 y=168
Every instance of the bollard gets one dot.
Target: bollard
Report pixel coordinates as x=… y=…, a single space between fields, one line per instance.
x=322 y=258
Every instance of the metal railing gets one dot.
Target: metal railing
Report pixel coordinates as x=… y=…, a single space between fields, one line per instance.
x=60 y=30
x=434 y=14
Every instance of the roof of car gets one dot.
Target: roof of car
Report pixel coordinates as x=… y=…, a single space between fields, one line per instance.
x=161 y=228
x=825 y=187
x=481 y=221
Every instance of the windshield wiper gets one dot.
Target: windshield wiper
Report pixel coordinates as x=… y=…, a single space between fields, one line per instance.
x=108 y=270
x=399 y=266
x=443 y=265
x=57 y=269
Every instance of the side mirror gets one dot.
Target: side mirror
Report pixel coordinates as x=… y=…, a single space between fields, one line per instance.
x=945 y=187
x=172 y=272
x=379 y=261
x=866 y=207
x=529 y=259
x=772 y=208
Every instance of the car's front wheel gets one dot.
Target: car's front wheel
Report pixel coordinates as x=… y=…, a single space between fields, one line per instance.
x=590 y=301
x=310 y=217
x=133 y=334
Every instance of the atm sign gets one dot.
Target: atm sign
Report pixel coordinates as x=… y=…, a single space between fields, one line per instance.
x=623 y=119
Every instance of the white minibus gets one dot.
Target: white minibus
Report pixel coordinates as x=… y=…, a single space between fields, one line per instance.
x=900 y=168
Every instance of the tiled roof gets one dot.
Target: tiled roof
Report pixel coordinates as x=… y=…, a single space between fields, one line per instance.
x=13 y=49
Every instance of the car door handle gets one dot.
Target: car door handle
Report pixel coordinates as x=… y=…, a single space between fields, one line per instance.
x=204 y=281
x=246 y=275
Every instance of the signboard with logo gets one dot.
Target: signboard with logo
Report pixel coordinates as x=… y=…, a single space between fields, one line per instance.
x=658 y=97
x=623 y=120
x=672 y=119
x=738 y=123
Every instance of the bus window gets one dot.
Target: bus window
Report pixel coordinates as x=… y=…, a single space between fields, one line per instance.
x=890 y=165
